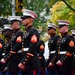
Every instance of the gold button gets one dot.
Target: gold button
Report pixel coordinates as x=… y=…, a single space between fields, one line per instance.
x=58 y=51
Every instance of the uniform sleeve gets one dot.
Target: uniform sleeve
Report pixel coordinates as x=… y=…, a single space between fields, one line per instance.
x=17 y=46
x=18 y=42
x=41 y=48
x=55 y=56
x=70 y=50
x=2 y=44
x=34 y=38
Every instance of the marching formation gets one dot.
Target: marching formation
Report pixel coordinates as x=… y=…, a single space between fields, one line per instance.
x=23 y=52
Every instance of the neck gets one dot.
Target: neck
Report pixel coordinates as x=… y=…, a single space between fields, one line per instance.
x=30 y=24
x=28 y=27
x=17 y=29
x=63 y=34
x=52 y=35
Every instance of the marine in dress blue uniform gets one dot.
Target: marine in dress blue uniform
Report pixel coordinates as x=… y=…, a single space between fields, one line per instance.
x=65 y=49
x=73 y=34
x=53 y=50
x=2 y=44
x=31 y=38
x=7 y=32
x=40 y=53
x=15 y=47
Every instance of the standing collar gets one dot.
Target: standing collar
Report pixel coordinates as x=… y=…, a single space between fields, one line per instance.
x=63 y=35
x=17 y=30
x=52 y=35
x=28 y=27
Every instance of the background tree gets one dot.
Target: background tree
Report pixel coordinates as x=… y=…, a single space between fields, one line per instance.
x=61 y=11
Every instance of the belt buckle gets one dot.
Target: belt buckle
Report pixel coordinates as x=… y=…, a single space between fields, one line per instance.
x=22 y=49
x=25 y=49
x=58 y=51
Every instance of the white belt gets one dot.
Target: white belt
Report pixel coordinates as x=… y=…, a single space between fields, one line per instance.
x=62 y=52
x=20 y=51
x=52 y=52
x=37 y=54
x=3 y=54
x=74 y=55
x=26 y=49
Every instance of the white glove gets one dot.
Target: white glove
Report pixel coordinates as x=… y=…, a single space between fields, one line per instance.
x=21 y=66
x=59 y=63
x=3 y=61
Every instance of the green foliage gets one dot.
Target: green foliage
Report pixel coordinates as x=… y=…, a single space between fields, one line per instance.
x=61 y=11
x=6 y=9
x=70 y=4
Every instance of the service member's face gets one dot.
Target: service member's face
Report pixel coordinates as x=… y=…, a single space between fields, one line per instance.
x=51 y=31
x=27 y=21
x=63 y=29
x=14 y=25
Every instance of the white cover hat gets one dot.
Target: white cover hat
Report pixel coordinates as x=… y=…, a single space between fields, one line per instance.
x=27 y=12
x=63 y=22
x=1 y=30
x=73 y=31
x=7 y=26
x=51 y=25
x=14 y=18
